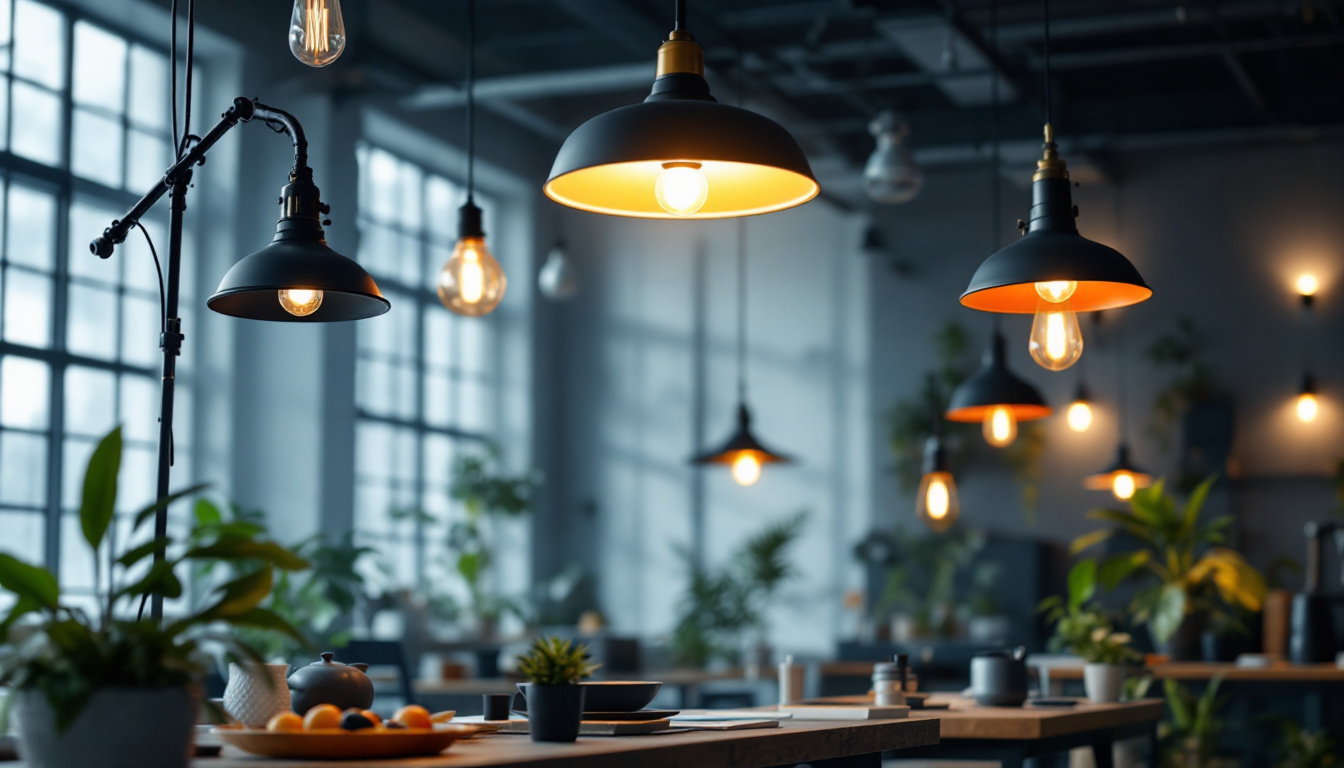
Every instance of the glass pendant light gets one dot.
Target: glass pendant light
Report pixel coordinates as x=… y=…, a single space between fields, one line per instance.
x=1080 y=410
x=936 y=504
x=316 y=32
x=742 y=453
x=558 y=279
x=680 y=154
x=1054 y=272
x=890 y=176
x=1120 y=477
x=471 y=282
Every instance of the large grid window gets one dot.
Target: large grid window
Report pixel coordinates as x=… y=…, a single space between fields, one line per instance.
x=84 y=130
x=425 y=381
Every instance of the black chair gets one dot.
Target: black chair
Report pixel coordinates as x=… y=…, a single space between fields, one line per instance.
x=382 y=653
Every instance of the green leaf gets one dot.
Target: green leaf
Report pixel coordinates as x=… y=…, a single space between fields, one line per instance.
x=146 y=512
x=99 y=500
x=1082 y=583
x=263 y=618
x=1116 y=569
x=1088 y=540
x=240 y=595
x=29 y=581
x=160 y=580
x=1168 y=613
x=207 y=513
x=1195 y=503
x=241 y=548
x=139 y=553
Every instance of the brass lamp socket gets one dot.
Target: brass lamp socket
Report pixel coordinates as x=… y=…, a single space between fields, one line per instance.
x=681 y=55
x=1050 y=166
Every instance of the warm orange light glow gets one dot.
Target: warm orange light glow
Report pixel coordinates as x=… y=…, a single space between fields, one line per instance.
x=1307 y=407
x=1122 y=482
x=1080 y=416
x=1057 y=291
x=300 y=302
x=1123 y=485
x=1089 y=296
x=937 y=504
x=1307 y=284
x=471 y=282
x=1000 y=427
x=1056 y=338
x=731 y=189
x=681 y=188
x=746 y=468
x=316 y=32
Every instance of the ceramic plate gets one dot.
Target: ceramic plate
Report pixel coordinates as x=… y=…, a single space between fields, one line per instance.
x=338 y=744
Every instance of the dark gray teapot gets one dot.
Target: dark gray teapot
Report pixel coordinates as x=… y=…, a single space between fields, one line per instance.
x=999 y=678
x=330 y=682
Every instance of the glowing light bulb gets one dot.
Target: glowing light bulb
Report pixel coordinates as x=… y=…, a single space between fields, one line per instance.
x=746 y=469
x=471 y=283
x=316 y=32
x=1080 y=416
x=1307 y=407
x=1056 y=339
x=681 y=188
x=1056 y=291
x=1307 y=285
x=300 y=302
x=937 y=503
x=1123 y=485
x=1000 y=427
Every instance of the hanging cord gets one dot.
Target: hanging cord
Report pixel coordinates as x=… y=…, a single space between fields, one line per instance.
x=471 y=100
x=191 y=65
x=997 y=210
x=742 y=310
x=172 y=77
x=1049 y=113
x=680 y=21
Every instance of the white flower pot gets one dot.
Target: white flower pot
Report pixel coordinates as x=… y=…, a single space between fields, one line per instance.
x=118 y=728
x=256 y=694
x=1103 y=682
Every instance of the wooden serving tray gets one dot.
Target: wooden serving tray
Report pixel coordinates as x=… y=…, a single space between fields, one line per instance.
x=336 y=744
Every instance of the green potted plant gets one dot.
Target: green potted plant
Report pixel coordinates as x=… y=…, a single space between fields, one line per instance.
x=553 y=668
x=1179 y=564
x=1190 y=738
x=1301 y=748
x=109 y=687
x=1083 y=629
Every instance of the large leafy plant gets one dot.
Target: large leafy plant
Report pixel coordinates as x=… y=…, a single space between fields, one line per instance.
x=1190 y=738
x=927 y=576
x=553 y=661
x=67 y=653
x=1082 y=626
x=1179 y=563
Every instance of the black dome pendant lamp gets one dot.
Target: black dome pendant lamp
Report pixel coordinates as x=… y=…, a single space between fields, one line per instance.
x=742 y=452
x=1053 y=271
x=1121 y=477
x=680 y=154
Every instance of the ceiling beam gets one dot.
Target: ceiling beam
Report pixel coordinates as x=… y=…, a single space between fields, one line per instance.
x=539 y=85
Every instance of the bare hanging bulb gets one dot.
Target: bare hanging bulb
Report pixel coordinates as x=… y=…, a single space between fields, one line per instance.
x=317 y=32
x=890 y=175
x=558 y=279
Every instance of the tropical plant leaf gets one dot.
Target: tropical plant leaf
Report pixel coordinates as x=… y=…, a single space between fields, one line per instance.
x=136 y=554
x=244 y=548
x=1082 y=583
x=29 y=581
x=159 y=580
x=98 y=502
x=1089 y=540
x=207 y=512
x=148 y=511
x=1117 y=568
x=1195 y=504
x=241 y=595
x=1169 y=612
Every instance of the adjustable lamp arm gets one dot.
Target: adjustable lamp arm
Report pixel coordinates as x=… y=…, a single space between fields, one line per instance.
x=179 y=175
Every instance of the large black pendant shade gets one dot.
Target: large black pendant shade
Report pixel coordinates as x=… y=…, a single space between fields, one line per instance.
x=1052 y=250
x=748 y=163
x=741 y=442
x=994 y=386
x=298 y=259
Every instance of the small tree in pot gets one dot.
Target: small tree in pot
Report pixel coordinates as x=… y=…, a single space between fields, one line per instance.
x=1083 y=629
x=553 y=668
x=114 y=689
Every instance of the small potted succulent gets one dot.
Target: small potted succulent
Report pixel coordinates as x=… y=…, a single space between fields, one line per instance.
x=1084 y=629
x=553 y=668
x=106 y=685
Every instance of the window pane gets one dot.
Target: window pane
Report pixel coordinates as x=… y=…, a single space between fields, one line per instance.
x=24 y=388
x=35 y=124
x=92 y=322
x=140 y=331
x=140 y=397
x=441 y=199
x=4 y=36
x=27 y=308
x=380 y=198
x=24 y=536
x=149 y=88
x=23 y=470
x=75 y=457
x=87 y=221
x=408 y=257
x=473 y=356
x=139 y=262
x=39 y=43
x=373 y=386
x=90 y=401
x=438 y=338
x=148 y=158
x=411 y=182
x=377 y=249
x=138 y=482
x=4 y=110
x=100 y=68
x=96 y=148
x=438 y=400
x=31 y=239
x=436 y=256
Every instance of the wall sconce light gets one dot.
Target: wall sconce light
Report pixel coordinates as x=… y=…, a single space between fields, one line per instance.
x=1307 y=405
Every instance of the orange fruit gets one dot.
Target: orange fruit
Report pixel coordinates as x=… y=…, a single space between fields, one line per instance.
x=413 y=716
x=285 y=721
x=322 y=716
x=373 y=717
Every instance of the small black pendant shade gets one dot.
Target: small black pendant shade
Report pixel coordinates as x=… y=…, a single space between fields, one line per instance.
x=298 y=258
x=746 y=163
x=994 y=386
x=741 y=442
x=1112 y=478
x=1051 y=250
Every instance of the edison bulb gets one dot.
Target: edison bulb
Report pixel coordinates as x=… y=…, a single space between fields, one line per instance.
x=316 y=32
x=1056 y=291
x=1307 y=285
x=1056 y=339
x=1000 y=427
x=300 y=302
x=1307 y=407
x=681 y=188
x=746 y=469
x=1080 y=416
x=471 y=283
x=1123 y=486
x=937 y=503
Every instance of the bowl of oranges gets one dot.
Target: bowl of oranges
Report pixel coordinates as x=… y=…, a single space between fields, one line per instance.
x=325 y=732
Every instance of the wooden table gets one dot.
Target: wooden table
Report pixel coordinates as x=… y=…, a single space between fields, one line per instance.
x=820 y=744
x=1010 y=735
x=1279 y=672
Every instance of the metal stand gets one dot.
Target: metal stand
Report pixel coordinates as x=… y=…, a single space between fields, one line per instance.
x=175 y=183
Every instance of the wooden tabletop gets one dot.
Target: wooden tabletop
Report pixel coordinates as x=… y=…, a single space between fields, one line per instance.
x=964 y=719
x=1280 y=672
x=672 y=677
x=792 y=742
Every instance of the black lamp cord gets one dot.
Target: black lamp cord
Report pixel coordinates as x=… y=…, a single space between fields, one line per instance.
x=471 y=100
x=742 y=311
x=994 y=152
x=680 y=21
x=1045 y=5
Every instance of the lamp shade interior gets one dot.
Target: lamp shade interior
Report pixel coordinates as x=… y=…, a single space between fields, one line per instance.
x=250 y=289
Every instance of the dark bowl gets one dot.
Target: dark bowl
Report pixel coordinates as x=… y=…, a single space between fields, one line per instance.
x=611 y=695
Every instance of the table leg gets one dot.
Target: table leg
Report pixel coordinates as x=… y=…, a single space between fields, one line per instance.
x=1103 y=752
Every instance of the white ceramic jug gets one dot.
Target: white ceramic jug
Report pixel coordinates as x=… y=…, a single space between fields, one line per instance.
x=256 y=694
